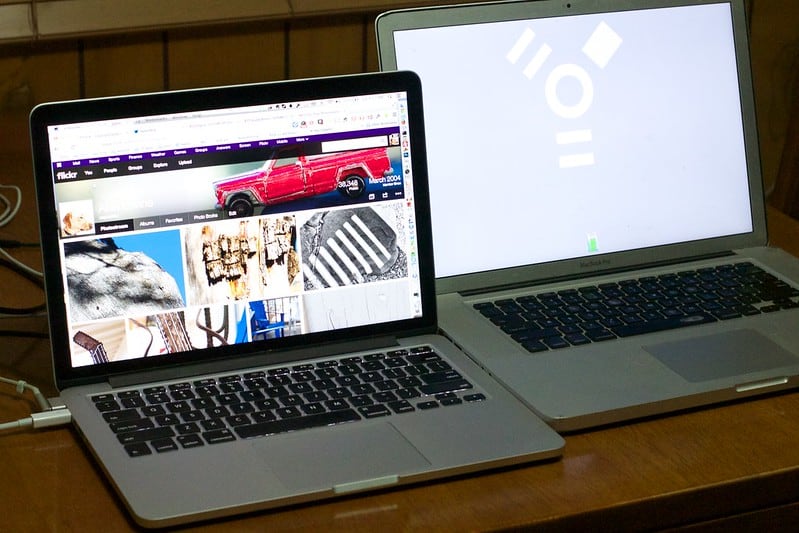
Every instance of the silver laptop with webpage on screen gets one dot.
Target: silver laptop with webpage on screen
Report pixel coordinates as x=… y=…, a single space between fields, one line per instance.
x=598 y=216
x=241 y=298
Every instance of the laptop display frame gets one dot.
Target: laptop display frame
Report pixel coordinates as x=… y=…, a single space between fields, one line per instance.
x=390 y=24
x=272 y=350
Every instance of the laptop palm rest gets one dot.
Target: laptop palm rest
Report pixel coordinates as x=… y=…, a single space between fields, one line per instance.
x=341 y=457
x=722 y=355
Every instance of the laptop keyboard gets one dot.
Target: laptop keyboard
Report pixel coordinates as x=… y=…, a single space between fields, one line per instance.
x=258 y=403
x=574 y=317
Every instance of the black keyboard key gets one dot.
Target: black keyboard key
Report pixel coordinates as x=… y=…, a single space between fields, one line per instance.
x=153 y=410
x=138 y=449
x=374 y=411
x=186 y=429
x=107 y=405
x=320 y=396
x=408 y=393
x=218 y=435
x=266 y=405
x=119 y=416
x=125 y=426
x=384 y=397
x=157 y=398
x=227 y=388
x=445 y=386
x=364 y=388
x=300 y=388
x=385 y=385
x=252 y=395
x=132 y=402
x=145 y=435
x=477 y=397
x=401 y=406
x=313 y=408
x=192 y=416
x=297 y=423
x=217 y=412
x=227 y=399
x=182 y=394
x=97 y=398
x=291 y=411
x=212 y=424
x=164 y=445
x=337 y=404
x=600 y=334
x=190 y=441
x=263 y=416
x=422 y=357
x=534 y=346
x=727 y=314
x=167 y=420
x=451 y=401
x=241 y=408
x=291 y=401
x=662 y=325
x=556 y=342
x=180 y=406
x=577 y=339
x=437 y=377
x=237 y=420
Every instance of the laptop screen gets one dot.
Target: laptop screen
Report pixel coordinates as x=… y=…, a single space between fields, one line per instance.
x=213 y=226
x=571 y=136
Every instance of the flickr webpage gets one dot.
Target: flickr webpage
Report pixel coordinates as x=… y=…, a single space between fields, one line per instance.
x=158 y=261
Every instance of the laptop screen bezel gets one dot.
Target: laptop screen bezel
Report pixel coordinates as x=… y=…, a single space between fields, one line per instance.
x=389 y=23
x=163 y=103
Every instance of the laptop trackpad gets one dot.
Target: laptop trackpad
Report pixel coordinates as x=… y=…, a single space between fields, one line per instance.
x=722 y=355
x=343 y=455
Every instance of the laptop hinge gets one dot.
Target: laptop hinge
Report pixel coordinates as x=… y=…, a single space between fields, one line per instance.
x=262 y=359
x=575 y=277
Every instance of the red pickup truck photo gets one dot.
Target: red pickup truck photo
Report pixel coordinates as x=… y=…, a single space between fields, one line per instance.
x=289 y=178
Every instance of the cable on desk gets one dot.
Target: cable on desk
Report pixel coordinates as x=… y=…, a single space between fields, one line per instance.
x=48 y=416
x=27 y=273
x=11 y=208
x=9 y=261
x=9 y=211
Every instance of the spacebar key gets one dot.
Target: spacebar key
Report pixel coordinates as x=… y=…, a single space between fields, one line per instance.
x=628 y=330
x=293 y=424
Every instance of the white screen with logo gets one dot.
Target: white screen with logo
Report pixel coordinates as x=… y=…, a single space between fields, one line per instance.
x=571 y=136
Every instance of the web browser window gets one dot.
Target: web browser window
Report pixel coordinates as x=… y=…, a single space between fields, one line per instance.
x=241 y=225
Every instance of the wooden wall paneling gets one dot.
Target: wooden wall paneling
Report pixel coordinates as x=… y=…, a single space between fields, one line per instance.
x=16 y=22
x=786 y=188
x=48 y=70
x=243 y=53
x=31 y=74
x=775 y=58
x=78 y=18
x=326 y=47
x=12 y=81
x=372 y=62
x=123 y=64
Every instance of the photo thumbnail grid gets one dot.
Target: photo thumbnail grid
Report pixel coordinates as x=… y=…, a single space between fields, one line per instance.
x=235 y=280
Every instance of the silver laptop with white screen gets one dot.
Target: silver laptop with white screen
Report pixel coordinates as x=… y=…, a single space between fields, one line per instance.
x=241 y=298
x=597 y=205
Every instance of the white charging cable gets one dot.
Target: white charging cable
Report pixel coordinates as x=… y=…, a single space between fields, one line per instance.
x=48 y=416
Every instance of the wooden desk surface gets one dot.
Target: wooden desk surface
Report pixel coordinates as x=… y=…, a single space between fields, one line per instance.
x=739 y=460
